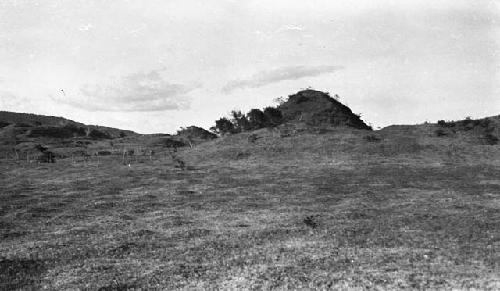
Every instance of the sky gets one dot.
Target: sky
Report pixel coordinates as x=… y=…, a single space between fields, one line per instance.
x=158 y=65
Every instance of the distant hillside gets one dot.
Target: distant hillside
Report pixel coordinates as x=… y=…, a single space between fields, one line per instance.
x=50 y=124
x=318 y=108
x=484 y=131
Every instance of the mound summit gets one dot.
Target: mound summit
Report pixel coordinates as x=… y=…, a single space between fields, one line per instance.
x=319 y=108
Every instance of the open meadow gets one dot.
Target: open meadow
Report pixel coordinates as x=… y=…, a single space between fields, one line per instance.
x=328 y=210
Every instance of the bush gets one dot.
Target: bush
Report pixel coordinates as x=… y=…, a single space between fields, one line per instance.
x=240 y=121
x=257 y=119
x=223 y=126
x=442 y=123
x=273 y=115
x=440 y=133
x=310 y=221
x=254 y=119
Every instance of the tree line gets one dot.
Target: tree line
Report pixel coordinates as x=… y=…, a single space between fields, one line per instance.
x=254 y=119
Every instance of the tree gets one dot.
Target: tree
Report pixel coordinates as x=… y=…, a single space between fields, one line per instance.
x=257 y=119
x=223 y=126
x=240 y=121
x=273 y=115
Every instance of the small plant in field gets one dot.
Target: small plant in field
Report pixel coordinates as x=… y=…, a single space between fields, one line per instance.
x=310 y=221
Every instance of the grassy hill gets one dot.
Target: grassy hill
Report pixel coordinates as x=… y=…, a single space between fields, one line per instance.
x=35 y=121
x=298 y=206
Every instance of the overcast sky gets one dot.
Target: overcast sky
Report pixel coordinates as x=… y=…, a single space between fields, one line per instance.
x=157 y=65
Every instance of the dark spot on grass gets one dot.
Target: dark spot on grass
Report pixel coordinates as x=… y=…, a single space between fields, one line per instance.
x=145 y=232
x=311 y=221
x=126 y=217
x=41 y=212
x=125 y=249
x=186 y=192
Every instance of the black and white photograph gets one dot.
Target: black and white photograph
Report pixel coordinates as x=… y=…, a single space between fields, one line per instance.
x=249 y=145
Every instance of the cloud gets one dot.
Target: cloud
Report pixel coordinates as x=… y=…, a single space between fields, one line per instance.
x=281 y=74
x=291 y=27
x=138 y=92
x=11 y=101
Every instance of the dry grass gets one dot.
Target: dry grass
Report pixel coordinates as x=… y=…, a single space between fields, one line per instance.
x=306 y=211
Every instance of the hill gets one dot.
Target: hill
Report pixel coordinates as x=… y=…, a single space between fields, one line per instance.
x=21 y=134
x=319 y=108
x=290 y=207
x=33 y=121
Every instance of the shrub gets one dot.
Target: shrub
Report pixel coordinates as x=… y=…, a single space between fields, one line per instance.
x=440 y=133
x=273 y=115
x=223 y=126
x=311 y=222
x=441 y=123
x=257 y=119
x=240 y=121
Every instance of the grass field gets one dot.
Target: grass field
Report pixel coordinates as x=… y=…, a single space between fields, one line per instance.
x=311 y=211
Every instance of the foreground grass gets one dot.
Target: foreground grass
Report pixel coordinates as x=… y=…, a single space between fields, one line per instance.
x=248 y=224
